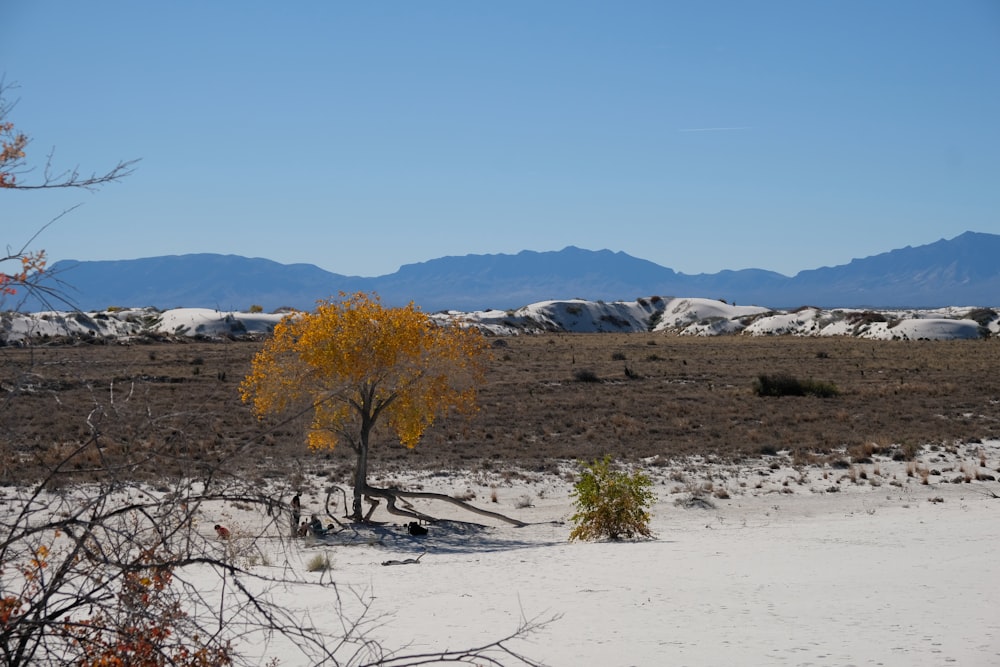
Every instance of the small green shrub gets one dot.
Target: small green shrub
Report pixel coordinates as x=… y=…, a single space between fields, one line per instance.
x=787 y=385
x=611 y=503
x=256 y=308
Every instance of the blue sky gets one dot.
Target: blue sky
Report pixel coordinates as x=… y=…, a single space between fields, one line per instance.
x=362 y=136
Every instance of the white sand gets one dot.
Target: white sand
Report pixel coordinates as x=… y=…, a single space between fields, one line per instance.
x=895 y=574
x=886 y=570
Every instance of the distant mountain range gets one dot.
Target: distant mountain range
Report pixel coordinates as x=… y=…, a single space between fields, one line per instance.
x=964 y=270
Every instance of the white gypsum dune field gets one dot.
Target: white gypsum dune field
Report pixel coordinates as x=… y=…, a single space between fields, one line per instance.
x=684 y=316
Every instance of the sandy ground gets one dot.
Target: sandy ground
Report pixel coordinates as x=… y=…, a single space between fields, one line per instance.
x=886 y=571
x=876 y=563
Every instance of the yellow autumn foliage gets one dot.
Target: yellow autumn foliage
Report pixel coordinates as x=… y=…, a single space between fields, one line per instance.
x=360 y=363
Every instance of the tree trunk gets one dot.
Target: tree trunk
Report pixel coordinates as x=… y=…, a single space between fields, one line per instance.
x=360 y=478
x=361 y=468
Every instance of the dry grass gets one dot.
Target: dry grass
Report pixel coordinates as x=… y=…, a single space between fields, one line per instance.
x=319 y=563
x=682 y=396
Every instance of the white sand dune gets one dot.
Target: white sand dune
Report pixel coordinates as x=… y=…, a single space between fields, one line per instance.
x=686 y=316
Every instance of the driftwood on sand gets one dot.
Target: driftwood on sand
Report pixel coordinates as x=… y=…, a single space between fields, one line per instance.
x=393 y=496
x=405 y=561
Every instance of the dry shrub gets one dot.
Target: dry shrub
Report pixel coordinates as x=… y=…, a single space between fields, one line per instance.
x=585 y=375
x=862 y=453
x=781 y=384
x=242 y=549
x=319 y=563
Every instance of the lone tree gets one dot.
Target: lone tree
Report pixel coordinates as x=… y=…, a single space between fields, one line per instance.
x=363 y=368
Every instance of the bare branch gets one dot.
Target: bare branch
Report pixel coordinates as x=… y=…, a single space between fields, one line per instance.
x=72 y=178
x=14 y=161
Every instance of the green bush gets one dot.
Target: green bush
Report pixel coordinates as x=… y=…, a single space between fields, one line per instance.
x=787 y=385
x=611 y=503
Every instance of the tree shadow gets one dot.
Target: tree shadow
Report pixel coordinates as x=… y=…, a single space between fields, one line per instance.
x=443 y=537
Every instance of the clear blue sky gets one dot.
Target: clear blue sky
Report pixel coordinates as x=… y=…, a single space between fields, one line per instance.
x=366 y=135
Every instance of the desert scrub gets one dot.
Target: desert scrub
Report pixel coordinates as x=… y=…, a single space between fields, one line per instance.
x=319 y=563
x=611 y=503
x=787 y=385
x=585 y=375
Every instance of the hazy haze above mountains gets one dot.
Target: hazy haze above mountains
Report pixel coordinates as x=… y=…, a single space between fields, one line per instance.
x=960 y=271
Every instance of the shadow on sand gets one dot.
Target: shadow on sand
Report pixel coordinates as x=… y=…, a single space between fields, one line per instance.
x=443 y=537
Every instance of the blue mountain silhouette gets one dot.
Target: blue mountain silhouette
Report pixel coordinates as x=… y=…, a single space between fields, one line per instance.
x=963 y=271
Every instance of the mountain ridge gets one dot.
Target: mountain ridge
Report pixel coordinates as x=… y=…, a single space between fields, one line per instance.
x=962 y=270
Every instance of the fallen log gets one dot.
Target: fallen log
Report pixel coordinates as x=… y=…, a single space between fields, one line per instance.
x=392 y=495
x=405 y=561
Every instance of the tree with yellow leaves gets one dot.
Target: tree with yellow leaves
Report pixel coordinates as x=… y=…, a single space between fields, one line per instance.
x=364 y=367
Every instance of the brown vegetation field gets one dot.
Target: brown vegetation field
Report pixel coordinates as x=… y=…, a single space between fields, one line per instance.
x=547 y=397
